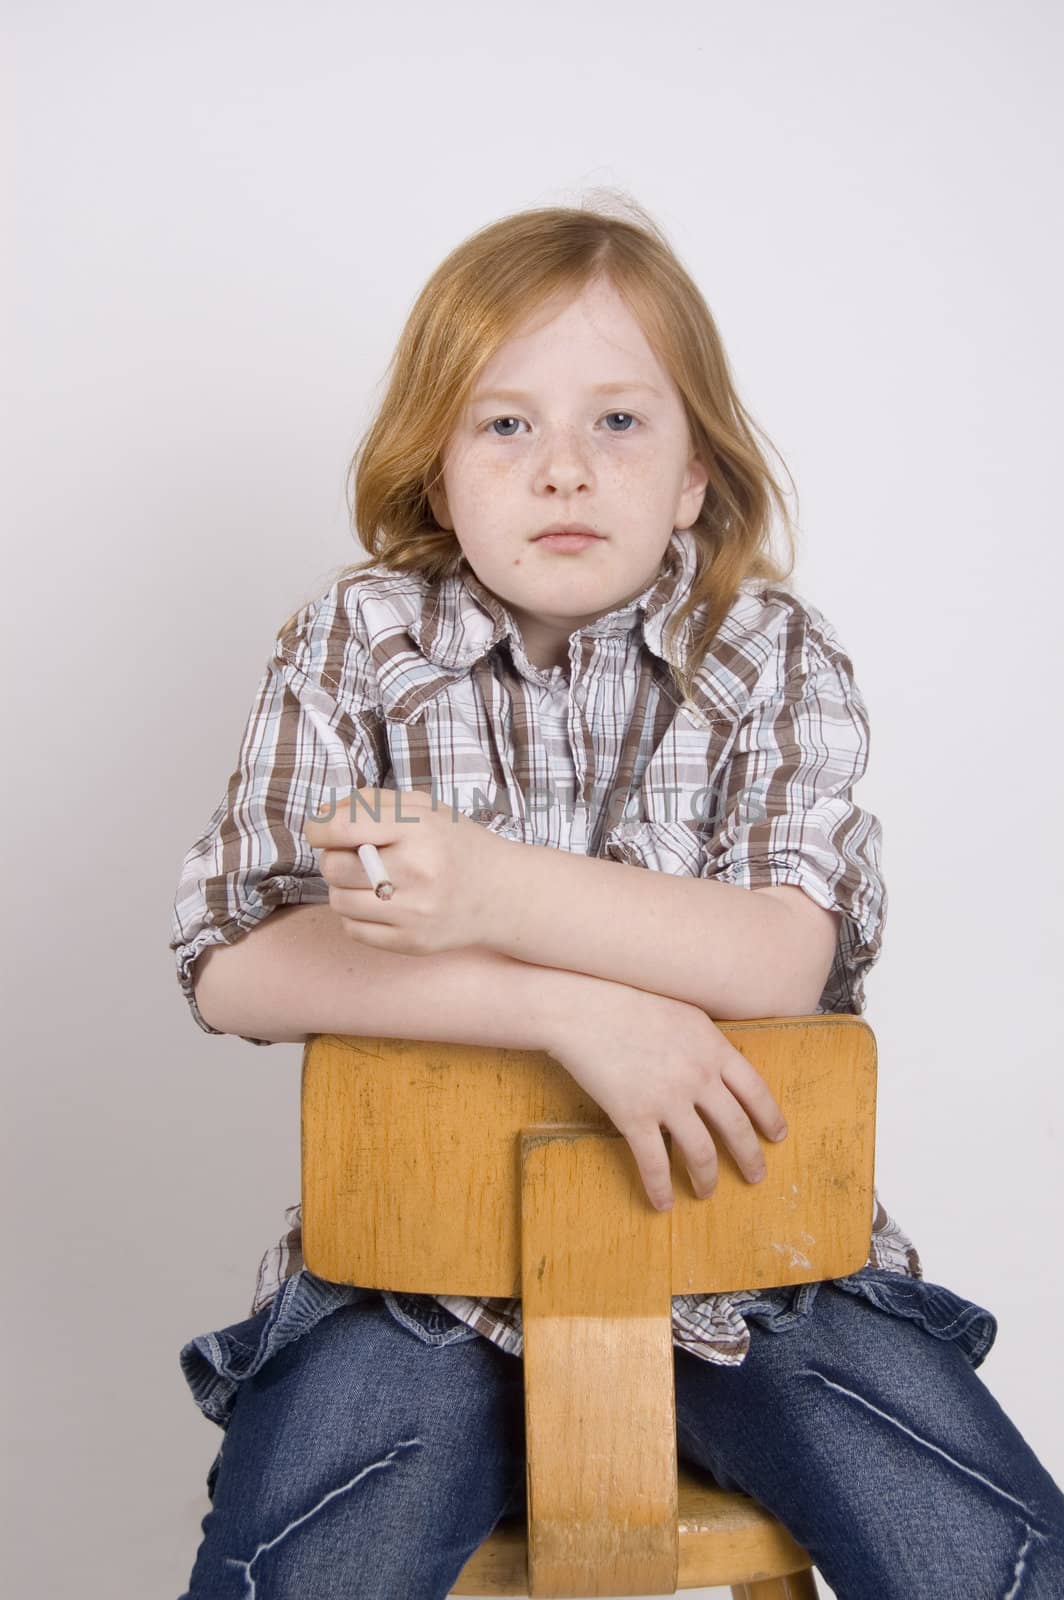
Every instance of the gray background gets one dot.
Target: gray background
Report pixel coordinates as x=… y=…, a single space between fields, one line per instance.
x=222 y=215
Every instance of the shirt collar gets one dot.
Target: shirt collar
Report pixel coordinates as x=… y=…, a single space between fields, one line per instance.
x=467 y=620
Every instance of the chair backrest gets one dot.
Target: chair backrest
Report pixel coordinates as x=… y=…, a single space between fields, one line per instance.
x=439 y=1168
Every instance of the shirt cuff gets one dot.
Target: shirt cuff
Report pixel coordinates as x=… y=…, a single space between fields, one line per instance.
x=674 y=847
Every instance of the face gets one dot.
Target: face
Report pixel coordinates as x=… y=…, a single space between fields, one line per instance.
x=573 y=420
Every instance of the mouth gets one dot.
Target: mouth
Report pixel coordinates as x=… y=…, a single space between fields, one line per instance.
x=576 y=536
x=565 y=527
x=567 y=541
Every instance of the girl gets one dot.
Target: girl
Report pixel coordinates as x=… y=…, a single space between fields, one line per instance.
x=572 y=635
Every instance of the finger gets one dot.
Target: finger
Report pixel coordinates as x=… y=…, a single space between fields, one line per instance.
x=727 y=1116
x=361 y=905
x=372 y=933
x=699 y=1152
x=344 y=869
x=748 y=1086
x=652 y=1159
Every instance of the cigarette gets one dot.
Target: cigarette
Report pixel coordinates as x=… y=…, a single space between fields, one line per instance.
x=369 y=856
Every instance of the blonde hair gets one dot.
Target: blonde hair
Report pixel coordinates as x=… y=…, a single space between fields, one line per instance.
x=487 y=286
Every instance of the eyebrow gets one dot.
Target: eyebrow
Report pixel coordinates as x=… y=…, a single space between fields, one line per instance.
x=623 y=387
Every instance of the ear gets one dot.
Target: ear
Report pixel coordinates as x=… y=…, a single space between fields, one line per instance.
x=437 y=499
x=693 y=494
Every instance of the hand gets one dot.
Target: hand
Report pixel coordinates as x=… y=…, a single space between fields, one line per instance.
x=442 y=863
x=649 y=1060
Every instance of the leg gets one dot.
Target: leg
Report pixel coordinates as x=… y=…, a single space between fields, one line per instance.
x=361 y=1460
x=884 y=1454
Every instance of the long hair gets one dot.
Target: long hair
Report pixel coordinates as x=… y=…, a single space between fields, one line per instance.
x=487 y=286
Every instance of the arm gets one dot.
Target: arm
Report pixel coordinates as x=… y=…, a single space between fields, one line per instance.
x=313 y=725
x=298 y=974
x=729 y=950
x=774 y=902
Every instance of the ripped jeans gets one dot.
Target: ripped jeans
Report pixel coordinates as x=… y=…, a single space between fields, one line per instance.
x=367 y=1458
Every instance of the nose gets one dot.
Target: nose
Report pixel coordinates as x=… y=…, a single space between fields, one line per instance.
x=563 y=461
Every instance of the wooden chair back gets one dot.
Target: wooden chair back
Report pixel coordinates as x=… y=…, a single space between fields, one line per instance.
x=438 y=1168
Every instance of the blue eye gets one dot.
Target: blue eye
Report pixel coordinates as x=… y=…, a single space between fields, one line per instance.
x=491 y=425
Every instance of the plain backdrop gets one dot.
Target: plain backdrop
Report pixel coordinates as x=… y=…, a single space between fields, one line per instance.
x=221 y=217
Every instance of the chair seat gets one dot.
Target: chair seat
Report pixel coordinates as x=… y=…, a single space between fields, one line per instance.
x=724 y=1539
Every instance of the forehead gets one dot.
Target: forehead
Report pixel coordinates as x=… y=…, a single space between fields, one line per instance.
x=612 y=386
x=592 y=339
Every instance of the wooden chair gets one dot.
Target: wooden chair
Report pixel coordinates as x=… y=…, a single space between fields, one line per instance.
x=450 y=1169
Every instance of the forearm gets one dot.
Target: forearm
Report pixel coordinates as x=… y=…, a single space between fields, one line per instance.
x=299 y=974
x=732 y=951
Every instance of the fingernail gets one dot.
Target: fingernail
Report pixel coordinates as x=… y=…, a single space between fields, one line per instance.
x=781 y=1135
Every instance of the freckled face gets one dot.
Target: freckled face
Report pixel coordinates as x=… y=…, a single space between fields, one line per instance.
x=573 y=420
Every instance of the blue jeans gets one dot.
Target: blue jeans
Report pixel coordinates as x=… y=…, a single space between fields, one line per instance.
x=368 y=1451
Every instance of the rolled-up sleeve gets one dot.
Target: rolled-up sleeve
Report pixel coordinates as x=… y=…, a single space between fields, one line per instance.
x=314 y=732
x=787 y=813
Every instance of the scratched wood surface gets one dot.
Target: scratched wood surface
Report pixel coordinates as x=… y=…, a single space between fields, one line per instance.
x=411 y=1178
x=440 y=1168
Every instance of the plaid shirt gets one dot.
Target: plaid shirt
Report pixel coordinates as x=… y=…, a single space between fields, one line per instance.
x=389 y=680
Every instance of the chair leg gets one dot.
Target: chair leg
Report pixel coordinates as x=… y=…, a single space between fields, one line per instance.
x=798 y=1586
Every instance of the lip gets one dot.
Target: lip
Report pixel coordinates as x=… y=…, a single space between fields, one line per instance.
x=567 y=541
x=566 y=527
x=564 y=535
